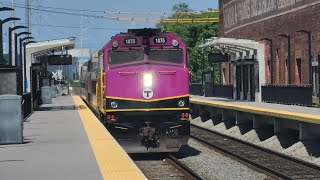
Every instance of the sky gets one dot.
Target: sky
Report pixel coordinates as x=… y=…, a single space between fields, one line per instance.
x=96 y=31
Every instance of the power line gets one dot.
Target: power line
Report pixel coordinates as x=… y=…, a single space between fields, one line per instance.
x=117 y=12
x=77 y=27
x=61 y=12
x=130 y=19
x=160 y=13
x=58 y=8
x=74 y=27
x=187 y=20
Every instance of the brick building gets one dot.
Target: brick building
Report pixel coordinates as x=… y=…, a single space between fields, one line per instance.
x=267 y=19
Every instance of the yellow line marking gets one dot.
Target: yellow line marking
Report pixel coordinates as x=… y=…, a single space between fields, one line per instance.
x=151 y=109
x=113 y=161
x=153 y=100
x=309 y=118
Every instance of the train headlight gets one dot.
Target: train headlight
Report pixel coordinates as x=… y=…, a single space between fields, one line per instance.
x=175 y=43
x=147 y=80
x=114 y=105
x=115 y=44
x=181 y=103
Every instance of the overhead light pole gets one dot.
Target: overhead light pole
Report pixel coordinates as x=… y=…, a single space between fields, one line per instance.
x=289 y=54
x=23 y=57
x=20 y=45
x=11 y=29
x=1 y=38
x=24 y=60
x=20 y=57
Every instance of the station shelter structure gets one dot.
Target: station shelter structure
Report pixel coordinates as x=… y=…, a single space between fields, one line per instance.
x=36 y=75
x=247 y=64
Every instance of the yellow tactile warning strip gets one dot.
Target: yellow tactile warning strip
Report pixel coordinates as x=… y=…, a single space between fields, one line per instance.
x=113 y=161
x=309 y=118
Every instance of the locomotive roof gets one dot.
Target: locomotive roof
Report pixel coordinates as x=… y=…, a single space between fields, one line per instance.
x=145 y=32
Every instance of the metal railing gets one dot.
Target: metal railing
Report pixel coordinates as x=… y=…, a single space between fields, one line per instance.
x=223 y=90
x=196 y=89
x=26 y=104
x=208 y=89
x=287 y=94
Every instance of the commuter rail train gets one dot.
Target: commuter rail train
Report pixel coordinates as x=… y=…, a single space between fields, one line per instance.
x=138 y=84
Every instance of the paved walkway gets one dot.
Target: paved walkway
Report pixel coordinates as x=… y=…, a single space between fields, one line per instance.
x=56 y=146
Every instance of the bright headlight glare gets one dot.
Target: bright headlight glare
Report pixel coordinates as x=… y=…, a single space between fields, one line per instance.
x=147 y=80
x=114 y=105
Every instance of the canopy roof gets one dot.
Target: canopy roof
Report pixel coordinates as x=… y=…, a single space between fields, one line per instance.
x=243 y=48
x=46 y=47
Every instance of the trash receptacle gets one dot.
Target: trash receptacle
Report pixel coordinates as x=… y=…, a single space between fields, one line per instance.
x=11 y=122
x=46 y=95
x=53 y=91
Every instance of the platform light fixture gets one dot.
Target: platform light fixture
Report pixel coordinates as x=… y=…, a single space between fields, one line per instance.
x=11 y=29
x=1 y=23
x=25 y=59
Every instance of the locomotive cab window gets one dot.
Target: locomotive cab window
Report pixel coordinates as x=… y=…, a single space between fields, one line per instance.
x=119 y=57
x=166 y=55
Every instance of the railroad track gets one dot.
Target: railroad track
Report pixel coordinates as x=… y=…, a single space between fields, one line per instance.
x=270 y=162
x=168 y=168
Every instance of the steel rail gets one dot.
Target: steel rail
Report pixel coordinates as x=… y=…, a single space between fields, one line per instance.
x=240 y=155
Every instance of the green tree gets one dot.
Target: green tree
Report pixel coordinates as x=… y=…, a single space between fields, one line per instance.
x=181 y=7
x=193 y=34
x=4 y=60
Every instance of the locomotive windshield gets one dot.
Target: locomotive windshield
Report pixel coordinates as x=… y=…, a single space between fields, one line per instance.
x=166 y=55
x=118 y=57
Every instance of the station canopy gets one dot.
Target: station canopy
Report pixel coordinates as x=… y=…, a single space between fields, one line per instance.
x=43 y=48
x=243 y=48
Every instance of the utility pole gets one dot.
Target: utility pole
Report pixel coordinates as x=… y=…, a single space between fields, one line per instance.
x=13 y=37
x=28 y=21
x=81 y=30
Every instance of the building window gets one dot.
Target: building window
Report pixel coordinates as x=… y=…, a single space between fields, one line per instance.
x=286 y=72
x=224 y=79
x=269 y=74
x=299 y=67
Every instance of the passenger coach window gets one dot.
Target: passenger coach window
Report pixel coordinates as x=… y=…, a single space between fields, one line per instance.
x=118 y=57
x=166 y=55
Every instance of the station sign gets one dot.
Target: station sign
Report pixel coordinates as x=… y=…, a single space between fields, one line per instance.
x=218 y=57
x=60 y=60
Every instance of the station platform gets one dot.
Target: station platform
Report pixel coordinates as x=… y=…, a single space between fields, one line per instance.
x=64 y=140
x=291 y=112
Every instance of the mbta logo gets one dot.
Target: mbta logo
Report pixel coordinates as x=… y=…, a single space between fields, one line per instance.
x=147 y=93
